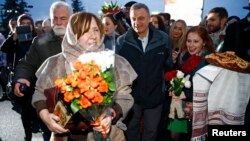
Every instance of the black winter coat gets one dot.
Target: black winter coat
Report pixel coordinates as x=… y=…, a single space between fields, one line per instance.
x=42 y=48
x=148 y=89
x=15 y=50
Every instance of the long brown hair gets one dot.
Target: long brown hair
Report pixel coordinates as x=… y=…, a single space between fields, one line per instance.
x=120 y=29
x=81 y=23
x=202 y=32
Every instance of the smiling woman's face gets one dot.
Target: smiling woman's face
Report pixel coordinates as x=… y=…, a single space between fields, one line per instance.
x=91 y=39
x=194 y=43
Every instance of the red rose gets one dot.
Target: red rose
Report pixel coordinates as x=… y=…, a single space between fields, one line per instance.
x=170 y=75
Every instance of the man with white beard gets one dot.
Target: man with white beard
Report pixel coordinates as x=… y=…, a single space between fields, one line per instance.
x=42 y=48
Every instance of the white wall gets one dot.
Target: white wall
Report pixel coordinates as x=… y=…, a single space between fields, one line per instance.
x=192 y=11
x=187 y=10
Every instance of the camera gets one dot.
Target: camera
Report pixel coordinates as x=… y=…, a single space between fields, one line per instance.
x=23 y=88
x=24 y=33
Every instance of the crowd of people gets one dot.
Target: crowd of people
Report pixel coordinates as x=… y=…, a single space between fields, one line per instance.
x=147 y=47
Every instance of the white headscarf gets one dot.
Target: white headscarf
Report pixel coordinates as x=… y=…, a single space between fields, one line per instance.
x=71 y=48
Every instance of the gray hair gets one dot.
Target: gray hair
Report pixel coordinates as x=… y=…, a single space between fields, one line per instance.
x=59 y=4
x=139 y=6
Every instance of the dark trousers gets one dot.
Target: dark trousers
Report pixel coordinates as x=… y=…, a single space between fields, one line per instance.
x=31 y=121
x=151 y=120
x=163 y=133
x=28 y=115
x=45 y=130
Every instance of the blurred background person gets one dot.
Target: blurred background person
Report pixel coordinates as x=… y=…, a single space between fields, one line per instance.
x=38 y=27
x=166 y=17
x=177 y=35
x=237 y=40
x=112 y=28
x=3 y=56
x=123 y=15
x=46 y=25
x=2 y=39
x=12 y=25
x=3 y=64
x=157 y=22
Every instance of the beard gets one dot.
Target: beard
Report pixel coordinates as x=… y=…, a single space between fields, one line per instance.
x=59 y=30
x=213 y=29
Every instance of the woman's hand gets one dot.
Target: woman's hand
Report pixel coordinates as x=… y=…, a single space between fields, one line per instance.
x=105 y=122
x=175 y=55
x=51 y=121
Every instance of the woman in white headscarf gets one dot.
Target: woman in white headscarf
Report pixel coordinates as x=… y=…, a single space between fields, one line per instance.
x=84 y=33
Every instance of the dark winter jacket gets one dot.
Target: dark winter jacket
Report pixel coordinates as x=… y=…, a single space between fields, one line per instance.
x=42 y=48
x=15 y=50
x=148 y=89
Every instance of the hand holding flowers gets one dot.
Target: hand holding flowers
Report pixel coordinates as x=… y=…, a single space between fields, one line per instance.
x=90 y=88
x=178 y=82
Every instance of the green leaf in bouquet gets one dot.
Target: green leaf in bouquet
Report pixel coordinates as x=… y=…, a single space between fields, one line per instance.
x=107 y=99
x=108 y=75
x=112 y=86
x=178 y=91
x=75 y=106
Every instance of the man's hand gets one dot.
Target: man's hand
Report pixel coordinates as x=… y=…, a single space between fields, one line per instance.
x=17 y=91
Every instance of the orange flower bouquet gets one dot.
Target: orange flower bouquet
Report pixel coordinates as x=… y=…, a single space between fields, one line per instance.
x=89 y=89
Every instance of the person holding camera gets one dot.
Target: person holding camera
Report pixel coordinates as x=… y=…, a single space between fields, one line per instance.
x=43 y=47
x=19 y=42
x=16 y=46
